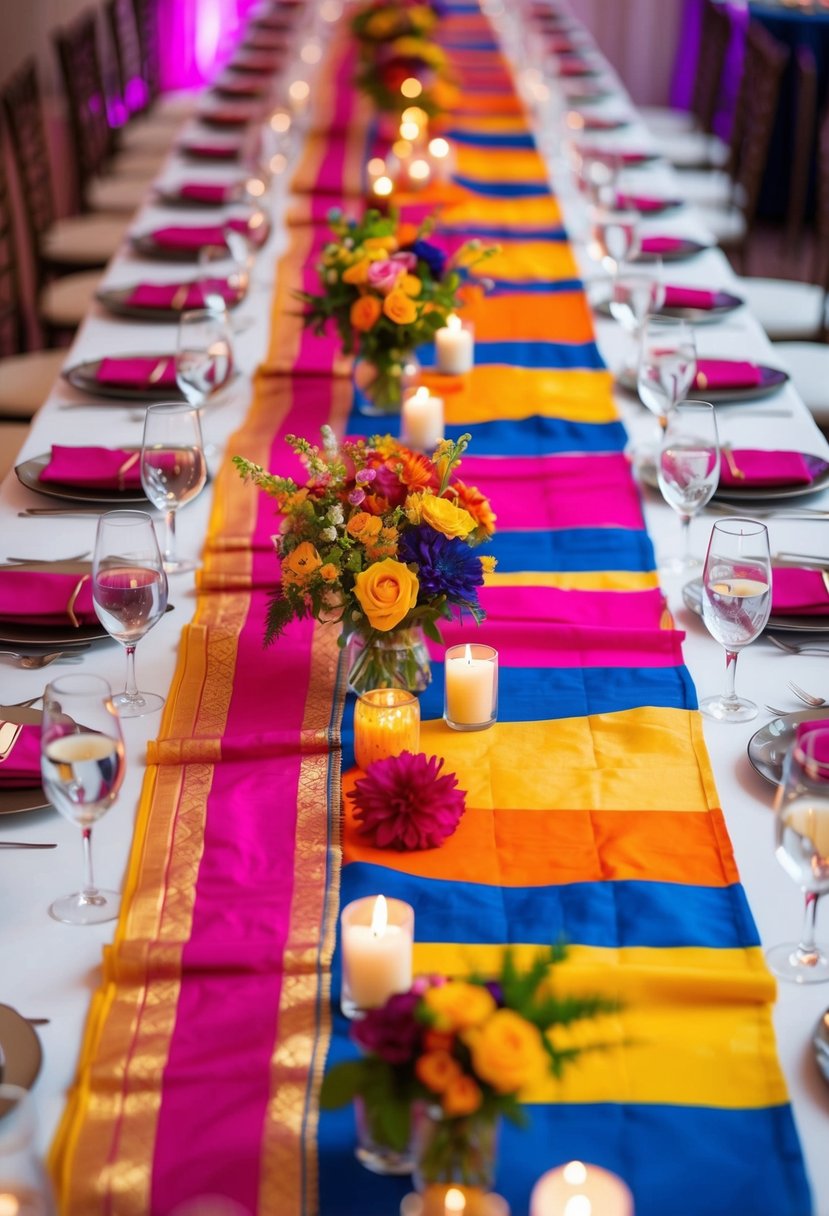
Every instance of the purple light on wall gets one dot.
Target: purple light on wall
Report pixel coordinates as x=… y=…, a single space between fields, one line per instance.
x=195 y=37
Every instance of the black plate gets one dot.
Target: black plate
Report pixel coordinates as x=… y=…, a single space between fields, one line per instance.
x=174 y=198
x=241 y=64
x=657 y=207
x=680 y=253
x=28 y=474
x=82 y=377
x=772 y=380
x=724 y=303
x=197 y=151
x=145 y=244
x=13 y=802
x=767 y=747
x=115 y=299
x=757 y=494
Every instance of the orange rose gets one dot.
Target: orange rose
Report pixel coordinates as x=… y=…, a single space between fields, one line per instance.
x=358 y=273
x=436 y=1070
x=399 y=308
x=462 y=1096
x=472 y=500
x=386 y=592
x=300 y=565
x=329 y=572
x=365 y=312
x=507 y=1051
x=411 y=285
x=364 y=527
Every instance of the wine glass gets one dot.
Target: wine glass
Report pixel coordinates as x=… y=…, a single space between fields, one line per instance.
x=667 y=366
x=634 y=297
x=736 y=601
x=173 y=468
x=614 y=237
x=204 y=355
x=82 y=764
x=688 y=469
x=24 y=1186
x=129 y=590
x=802 y=848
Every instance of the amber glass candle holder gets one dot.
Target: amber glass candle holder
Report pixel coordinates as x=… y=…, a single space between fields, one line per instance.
x=386 y=723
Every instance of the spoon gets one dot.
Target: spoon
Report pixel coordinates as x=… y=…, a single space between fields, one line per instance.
x=808 y=698
x=796 y=647
x=33 y=661
x=820 y=1043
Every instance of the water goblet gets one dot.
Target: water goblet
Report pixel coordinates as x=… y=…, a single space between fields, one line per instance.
x=82 y=764
x=219 y=274
x=129 y=590
x=204 y=356
x=688 y=470
x=24 y=1187
x=173 y=468
x=614 y=237
x=633 y=299
x=802 y=848
x=667 y=366
x=736 y=601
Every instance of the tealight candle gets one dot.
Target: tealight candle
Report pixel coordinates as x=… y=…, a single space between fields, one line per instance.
x=376 y=937
x=440 y=1199
x=421 y=420
x=454 y=347
x=576 y=1189
x=386 y=723
x=471 y=679
x=375 y=169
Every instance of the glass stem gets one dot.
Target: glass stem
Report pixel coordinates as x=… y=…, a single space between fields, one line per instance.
x=685 y=520
x=807 y=952
x=131 y=688
x=731 y=657
x=170 y=537
x=90 y=891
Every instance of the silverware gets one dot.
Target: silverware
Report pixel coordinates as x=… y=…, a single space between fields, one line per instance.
x=763 y=413
x=76 y=511
x=746 y=511
x=810 y=559
x=25 y=844
x=778 y=713
x=807 y=698
x=46 y=561
x=820 y=1043
x=796 y=647
x=33 y=661
x=733 y=467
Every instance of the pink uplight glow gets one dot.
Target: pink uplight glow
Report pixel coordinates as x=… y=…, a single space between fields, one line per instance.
x=196 y=38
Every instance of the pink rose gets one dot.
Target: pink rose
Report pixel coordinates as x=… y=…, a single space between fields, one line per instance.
x=383 y=276
x=406 y=259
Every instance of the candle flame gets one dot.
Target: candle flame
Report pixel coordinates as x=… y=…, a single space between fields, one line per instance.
x=299 y=90
x=376 y=166
x=409 y=130
x=454 y=1201
x=439 y=148
x=575 y=1173
x=453 y=322
x=411 y=87
x=420 y=395
x=578 y=1205
x=419 y=170
x=402 y=149
x=379 y=916
x=383 y=186
x=467 y=654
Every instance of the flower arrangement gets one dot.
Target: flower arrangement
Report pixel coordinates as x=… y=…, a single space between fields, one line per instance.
x=396 y=44
x=387 y=289
x=379 y=538
x=465 y=1049
x=404 y=802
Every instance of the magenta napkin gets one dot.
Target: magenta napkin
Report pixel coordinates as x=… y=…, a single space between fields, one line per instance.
x=253 y=61
x=211 y=151
x=138 y=372
x=643 y=203
x=689 y=297
x=208 y=192
x=21 y=768
x=196 y=236
x=799 y=592
x=225 y=118
x=42 y=597
x=248 y=88
x=726 y=373
x=624 y=158
x=96 y=468
x=761 y=468
x=574 y=67
x=819 y=747
x=174 y=296
x=663 y=244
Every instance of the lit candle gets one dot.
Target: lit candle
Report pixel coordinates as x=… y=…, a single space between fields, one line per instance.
x=375 y=169
x=441 y=1200
x=377 y=936
x=454 y=347
x=440 y=154
x=422 y=420
x=419 y=172
x=383 y=187
x=471 y=678
x=386 y=723
x=576 y=1189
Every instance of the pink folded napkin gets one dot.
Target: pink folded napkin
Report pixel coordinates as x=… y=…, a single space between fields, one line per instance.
x=248 y=88
x=818 y=747
x=178 y=296
x=20 y=770
x=225 y=118
x=624 y=158
x=211 y=151
x=208 y=192
x=574 y=67
x=799 y=592
x=42 y=597
x=138 y=372
x=689 y=297
x=663 y=244
x=643 y=203
x=254 y=61
x=196 y=236
x=96 y=468
x=726 y=373
x=759 y=468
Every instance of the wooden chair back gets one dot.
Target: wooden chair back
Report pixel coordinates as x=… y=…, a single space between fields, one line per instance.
x=131 y=87
x=23 y=113
x=92 y=138
x=803 y=135
x=146 y=24
x=12 y=323
x=715 y=37
x=765 y=62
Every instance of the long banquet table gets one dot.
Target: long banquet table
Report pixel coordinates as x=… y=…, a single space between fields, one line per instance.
x=219 y=975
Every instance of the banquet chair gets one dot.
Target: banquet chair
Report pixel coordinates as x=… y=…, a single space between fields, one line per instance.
x=58 y=247
x=107 y=180
x=174 y=107
x=12 y=437
x=666 y=121
x=805 y=122
x=141 y=129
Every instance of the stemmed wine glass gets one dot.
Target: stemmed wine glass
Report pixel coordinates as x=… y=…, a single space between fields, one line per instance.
x=736 y=601
x=204 y=356
x=688 y=469
x=82 y=764
x=129 y=590
x=614 y=237
x=667 y=366
x=173 y=468
x=802 y=848
x=636 y=293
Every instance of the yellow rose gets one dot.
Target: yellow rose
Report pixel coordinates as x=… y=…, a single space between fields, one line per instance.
x=445 y=517
x=458 y=1005
x=462 y=1096
x=364 y=313
x=399 y=308
x=299 y=565
x=410 y=285
x=358 y=273
x=364 y=527
x=507 y=1051
x=384 y=244
x=436 y=1070
x=386 y=592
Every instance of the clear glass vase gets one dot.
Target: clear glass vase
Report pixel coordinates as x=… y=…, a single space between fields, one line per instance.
x=397 y=659
x=372 y=1153
x=460 y=1151
x=380 y=389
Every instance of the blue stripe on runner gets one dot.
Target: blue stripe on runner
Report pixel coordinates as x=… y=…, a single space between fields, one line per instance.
x=572 y=549
x=493 y=139
x=556 y=355
x=533 y=436
x=503 y=189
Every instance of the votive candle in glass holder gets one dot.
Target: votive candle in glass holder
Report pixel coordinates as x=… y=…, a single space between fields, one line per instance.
x=455 y=347
x=421 y=420
x=588 y=1188
x=471 y=683
x=440 y=1199
x=386 y=723
x=377 y=936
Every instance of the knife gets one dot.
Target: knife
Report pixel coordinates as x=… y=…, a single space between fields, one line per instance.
x=25 y=844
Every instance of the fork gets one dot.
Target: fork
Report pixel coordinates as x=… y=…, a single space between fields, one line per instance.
x=808 y=698
x=796 y=648
x=33 y=661
x=46 y=561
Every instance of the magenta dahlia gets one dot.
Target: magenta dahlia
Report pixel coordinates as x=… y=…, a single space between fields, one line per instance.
x=403 y=802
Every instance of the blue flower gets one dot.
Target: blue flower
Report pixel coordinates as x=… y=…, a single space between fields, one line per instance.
x=444 y=566
x=434 y=258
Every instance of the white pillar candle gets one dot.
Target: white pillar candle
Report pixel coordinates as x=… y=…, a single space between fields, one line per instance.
x=376 y=936
x=576 y=1189
x=421 y=420
x=454 y=347
x=471 y=678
